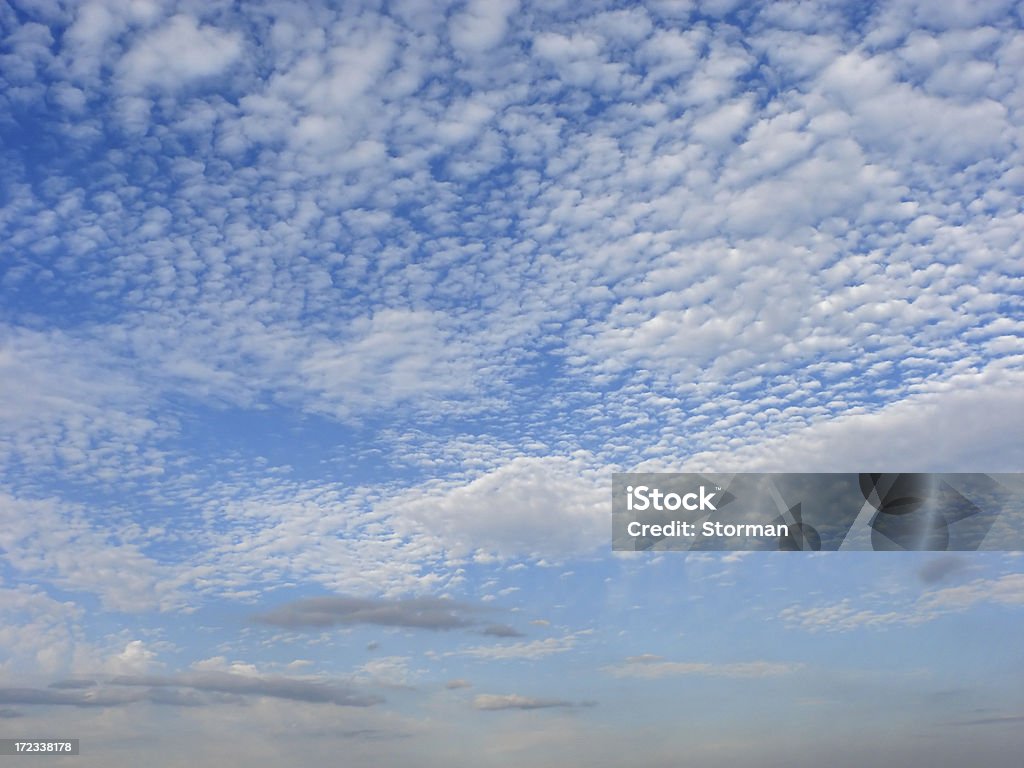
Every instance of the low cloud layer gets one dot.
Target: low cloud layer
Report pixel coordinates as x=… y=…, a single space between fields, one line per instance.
x=187 y=689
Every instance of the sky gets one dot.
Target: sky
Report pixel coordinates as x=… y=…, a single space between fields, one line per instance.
x=324 y=327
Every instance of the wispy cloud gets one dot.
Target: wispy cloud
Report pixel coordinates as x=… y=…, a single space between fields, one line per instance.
x=314 y=691
x=187 y=688
x=527 y=649
x=494 y=702
x=847 y=615
x=653 y=667
x=997 y=720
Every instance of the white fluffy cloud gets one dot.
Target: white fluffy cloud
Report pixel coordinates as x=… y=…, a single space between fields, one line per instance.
x=482 y=24
x=177 y=53
x=553 y=507
x=968 y=425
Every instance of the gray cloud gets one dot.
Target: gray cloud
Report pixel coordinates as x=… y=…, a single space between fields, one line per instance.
x=941 y=568
x=416 y=613
x=502 y=630
x=74 y=698
x=72 y=684
x=1005 y=720
x=187 y=689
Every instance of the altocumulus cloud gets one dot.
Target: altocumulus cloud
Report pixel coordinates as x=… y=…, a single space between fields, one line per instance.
x=592 y=237
x=369 y=299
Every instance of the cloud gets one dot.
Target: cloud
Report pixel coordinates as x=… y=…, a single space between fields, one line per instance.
x=941 y=568
x=458 y=683
x=651 y=667
x=392 y=357
x=845 y=615
x=62 y=543
x=501 y=630
x=73 y=684
x=482 y=24
x=102 y=433
x=704 y=214
x=1007 y=590
x=493 y=702
x=41 y=635
x=183 y=687
x=313 y=691
x=374 y=300
x=177 y=53
x=413 y=613
x=954 y=428
x=1001 y=720
x=388 y=671
x=531 y=506
x=70 y=698
x=134 y=659
x=530 y=650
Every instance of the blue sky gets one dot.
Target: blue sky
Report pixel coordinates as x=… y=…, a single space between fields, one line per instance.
x=323 y=328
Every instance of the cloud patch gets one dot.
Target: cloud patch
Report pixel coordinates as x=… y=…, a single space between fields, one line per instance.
x=189 y=689
x=179 y=52
x=652 y=667
x=847 y=615
x=413 y=613
x=501 y=630
x=941 y=568
x=490 y=702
